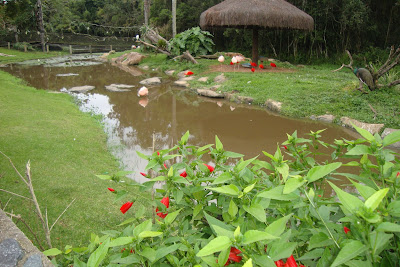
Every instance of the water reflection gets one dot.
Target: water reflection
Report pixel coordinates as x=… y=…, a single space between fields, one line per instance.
x=167 y=113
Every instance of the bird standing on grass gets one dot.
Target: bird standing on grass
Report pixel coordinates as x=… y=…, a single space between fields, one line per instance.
x=365 y=77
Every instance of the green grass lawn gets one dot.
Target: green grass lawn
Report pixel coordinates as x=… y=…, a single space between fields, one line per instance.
x=21 y=56
x=66 y=148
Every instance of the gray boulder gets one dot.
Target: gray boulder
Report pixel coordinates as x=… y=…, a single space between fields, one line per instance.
x=151 y=81
x=81 y=89
x=370 y=127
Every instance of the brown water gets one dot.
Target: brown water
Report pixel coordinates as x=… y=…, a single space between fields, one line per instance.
x=168 y=112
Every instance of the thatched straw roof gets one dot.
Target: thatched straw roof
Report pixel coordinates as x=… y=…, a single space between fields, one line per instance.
x=256 y=14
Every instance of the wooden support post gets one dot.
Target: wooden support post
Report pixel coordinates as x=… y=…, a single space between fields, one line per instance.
x=70 y=49
x=90 y=49
x=25 y=48
x=9 y=45
x=110 y=47
x=47 y=48
x=255 y=46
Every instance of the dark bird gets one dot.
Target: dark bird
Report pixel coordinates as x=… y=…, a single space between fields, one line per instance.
x=365 y=77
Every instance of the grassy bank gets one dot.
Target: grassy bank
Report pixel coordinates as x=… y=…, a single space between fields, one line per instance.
x=308 y=90
x=66 y=148
x=18 y=56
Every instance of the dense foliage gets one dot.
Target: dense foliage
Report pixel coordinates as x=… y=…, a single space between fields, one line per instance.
x=216 y=209
x=194 y=40
x=356 y=25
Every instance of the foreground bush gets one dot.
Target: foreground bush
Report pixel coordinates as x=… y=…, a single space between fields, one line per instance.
x=217 y=209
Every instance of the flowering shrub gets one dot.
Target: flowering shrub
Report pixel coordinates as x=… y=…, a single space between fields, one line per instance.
x=217 y=209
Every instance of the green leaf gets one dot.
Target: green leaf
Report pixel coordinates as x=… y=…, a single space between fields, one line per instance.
x=252 y=236
x=146 y=234
x=379 y=241
x=292 y=184
x=98 y=255
x=281 y=250
x=52 y=252
x=144 y=226
x=171 y=217
x=233 y=209
x=218 y=244
x=78 y=262
x=226 y=176
x=358 y=263
x=394 y=208
x=318 y=172
x=249 y=188
x=143 y=156
x=151 y=164
x=351 y=250
x=120 y=241
x=120 y=195
x=319 y=240
x=278 y=227
x=148 y=253
x=197 y=210
x=277 y=193
x=388 y=227
x=257 y=211
x=130 y=220
x=129 y=260
x=364 y=133
x=230 y=190
x=104 y=177
x=312 y=255
x=264 y=261
x=373 y=201
x=244 y=164
x=231 y=154
x=218 y=144
x=364 y=190
x=223 y=257
x=391 y=138
x=164 y=251
x=350 y=202
x=185 y=138
x=171 y=171
x=248 y=263
x=283 y=170
x=219 y=227
x=358 y=150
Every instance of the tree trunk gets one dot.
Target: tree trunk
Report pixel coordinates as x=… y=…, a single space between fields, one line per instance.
x=39 y=17
x=173 y=18
x=146 y=11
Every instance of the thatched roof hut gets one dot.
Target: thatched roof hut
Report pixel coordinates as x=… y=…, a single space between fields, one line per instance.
x=256 y=14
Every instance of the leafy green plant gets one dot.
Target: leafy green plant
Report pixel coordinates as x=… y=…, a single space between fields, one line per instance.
x=215 y=208
x=195 y=40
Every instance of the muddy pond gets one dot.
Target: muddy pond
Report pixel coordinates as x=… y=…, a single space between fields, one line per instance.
x=166 y=113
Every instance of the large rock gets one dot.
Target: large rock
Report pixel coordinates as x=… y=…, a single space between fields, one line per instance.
x=220 y=78
x=10 y=253
x=372 y=128
x=189 y=78
x=203 y=79
x=81 y=89
x=273 y=105
x=116 y=89
x=209 y=93
x=182 y=84
x=129 y=59
x=325 y=118
x=388 y=131
x=169 y=72
x=151 y=81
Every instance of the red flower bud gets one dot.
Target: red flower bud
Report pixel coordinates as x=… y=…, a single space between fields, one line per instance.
x=346 y=230
x=111 y=190
x=165 y=166
x=398 y=174
x=124 y=208
x=158 y=153
x=164 y=201
x=142 y=173
x=183 y=174
x=211 y=168
x=253 y=69
x=273 y=65
x=285 y=147
x=280 y=263
x=319 y=196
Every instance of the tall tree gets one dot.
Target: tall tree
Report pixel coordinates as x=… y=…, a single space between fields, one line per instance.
x=39 y=17
x=146 y=11
x=173 y=18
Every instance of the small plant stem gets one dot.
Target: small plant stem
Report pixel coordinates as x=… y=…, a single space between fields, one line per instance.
x=15 y=194
x=152 y=190
x=326 y=226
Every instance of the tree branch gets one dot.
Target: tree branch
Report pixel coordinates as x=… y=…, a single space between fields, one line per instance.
x=350 y=65
x=15 y=194
x=155 y=47
x=62 y=213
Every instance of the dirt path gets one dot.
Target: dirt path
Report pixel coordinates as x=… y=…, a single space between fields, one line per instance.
x=229 y=68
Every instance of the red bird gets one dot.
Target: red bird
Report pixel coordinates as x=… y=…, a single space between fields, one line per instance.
x=253 y=64
x=189 y=73
x=261 y=66
x=253 y=69
x=273 y=65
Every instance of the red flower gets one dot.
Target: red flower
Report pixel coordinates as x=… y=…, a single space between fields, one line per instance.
x=319 y=196
x=253 y=69
x=291 y=262
x=398 y=174
x=280 y=263
x=273 y=65
x=111 y=190
x=285 y=147
x=124 y=208
x=165 y=166
x=189 y=73
x=261 y=66
x=158 y=153
x=142 y=173
x=231 y=63
x=164 y=201
x=211 y=168
x=233 y=256
x=346 y=230
x=253 y=64
x=183 y=174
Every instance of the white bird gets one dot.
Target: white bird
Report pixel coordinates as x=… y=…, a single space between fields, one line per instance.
x=137 y=36
x=221 y=59
x=143 y=91
x=234 y=60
